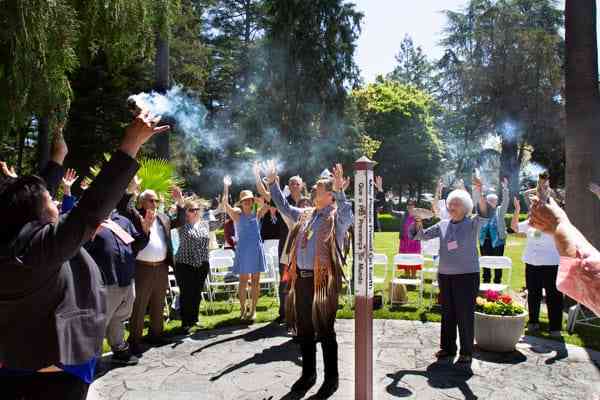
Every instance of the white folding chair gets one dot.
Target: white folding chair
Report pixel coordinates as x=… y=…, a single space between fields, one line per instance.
x=401 y=260
x=430 y=250
x=172 y=295
x=218 y=253
x=219 y=268
x=380 y=259
x=496 y=262
x=580 y=315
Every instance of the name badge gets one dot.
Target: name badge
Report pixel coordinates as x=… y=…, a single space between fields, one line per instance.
x=453 y=245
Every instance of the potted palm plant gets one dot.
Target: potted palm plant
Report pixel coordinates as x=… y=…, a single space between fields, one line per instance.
x=499 y=322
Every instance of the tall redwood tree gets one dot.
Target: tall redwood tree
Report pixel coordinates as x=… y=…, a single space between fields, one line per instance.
x=583 y=108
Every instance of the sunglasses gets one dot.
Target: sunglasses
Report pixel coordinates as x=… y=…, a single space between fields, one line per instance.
x=193 y=209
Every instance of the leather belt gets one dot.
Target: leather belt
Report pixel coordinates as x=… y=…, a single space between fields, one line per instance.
x=304 y=273
x=153 y=264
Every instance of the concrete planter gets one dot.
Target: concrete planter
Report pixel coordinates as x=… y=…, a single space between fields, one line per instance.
x=498 y=333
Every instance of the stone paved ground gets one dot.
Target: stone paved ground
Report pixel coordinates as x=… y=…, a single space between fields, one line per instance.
x=261 y=362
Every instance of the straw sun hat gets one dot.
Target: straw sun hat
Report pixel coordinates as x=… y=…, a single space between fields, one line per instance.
x=245 y=194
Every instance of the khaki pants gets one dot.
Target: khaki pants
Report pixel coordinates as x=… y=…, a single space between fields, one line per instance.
x=119 y=305
x=151 y=283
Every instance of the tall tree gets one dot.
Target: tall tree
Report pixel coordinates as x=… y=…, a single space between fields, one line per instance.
x=310 y=47
x=413 y=66
x=583 y=106
x=503 y=58
x=400 y=117
x=162 y=74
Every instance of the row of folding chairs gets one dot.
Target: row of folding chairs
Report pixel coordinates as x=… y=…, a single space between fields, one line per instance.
x=428 y=260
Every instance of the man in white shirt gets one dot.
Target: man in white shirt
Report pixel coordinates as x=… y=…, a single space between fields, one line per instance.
x=151 y=274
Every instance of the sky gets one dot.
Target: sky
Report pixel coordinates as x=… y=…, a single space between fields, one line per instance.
x=387 y=21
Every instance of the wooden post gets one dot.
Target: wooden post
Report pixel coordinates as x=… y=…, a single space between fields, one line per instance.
x=363 y=279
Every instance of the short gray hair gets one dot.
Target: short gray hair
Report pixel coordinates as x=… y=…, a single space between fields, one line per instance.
x=491 y=197
x=146 y=193
x=464 y=197
x=296 y=178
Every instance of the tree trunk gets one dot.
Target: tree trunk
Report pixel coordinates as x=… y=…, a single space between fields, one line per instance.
x=582 y=106
x=509 y=164
x=162 y=85
x=43 y=142
x=22 y=135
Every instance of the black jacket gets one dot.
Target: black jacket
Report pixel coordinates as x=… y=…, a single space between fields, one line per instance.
x=52 y=303
x=116 y=259
x=127 y=208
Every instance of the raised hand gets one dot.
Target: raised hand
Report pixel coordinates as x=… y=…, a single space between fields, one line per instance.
x=85 y=183
x=177 y=195
x=271 y=171
x=517 y=204
x=59 y=146
x=68 y=180
x=504 y=183
x=256 y=168
x=338 y=178
x=379 y=183
x=70 y=177
x=440 y=186
x=347 y=182
x=135 y=185
x=477 y=182
x=141 y=129
x=546 y=216
x=148 y=220
x=8 y=171
x=227 y=181
x=418 y=223
x=594 y=188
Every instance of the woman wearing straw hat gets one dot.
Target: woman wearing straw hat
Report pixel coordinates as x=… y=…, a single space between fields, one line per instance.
x=249 y=255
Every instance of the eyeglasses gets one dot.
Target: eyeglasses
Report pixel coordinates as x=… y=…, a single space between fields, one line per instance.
x=193 y=209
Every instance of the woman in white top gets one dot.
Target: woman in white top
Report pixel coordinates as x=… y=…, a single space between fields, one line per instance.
x=541 y=260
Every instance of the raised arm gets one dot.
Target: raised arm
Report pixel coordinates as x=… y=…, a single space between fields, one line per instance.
x=280 y=201
x=551 y=219
x=55 y=243
x=217 y=223
x=177 y=195
x=514 y=223
x=435 y=206
x=234 y=213
x=503 y=208
x=478 y=198
x=417 y=232
x=345 y=216
x=260 y=186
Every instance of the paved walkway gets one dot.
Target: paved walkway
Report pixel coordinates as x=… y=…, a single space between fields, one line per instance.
x=261 y=363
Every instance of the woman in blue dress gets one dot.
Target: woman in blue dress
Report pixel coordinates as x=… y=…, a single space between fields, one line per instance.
x=249 y=254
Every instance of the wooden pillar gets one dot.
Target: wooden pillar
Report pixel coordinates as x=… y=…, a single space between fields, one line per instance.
x=363 y=279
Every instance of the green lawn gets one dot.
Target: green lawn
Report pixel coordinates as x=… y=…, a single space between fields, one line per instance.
x=226 y=314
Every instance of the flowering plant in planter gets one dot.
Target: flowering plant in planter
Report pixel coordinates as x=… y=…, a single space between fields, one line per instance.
x=494 y=303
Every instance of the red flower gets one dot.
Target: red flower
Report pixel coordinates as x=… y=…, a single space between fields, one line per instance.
x=506 y=299
x=491 y=295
